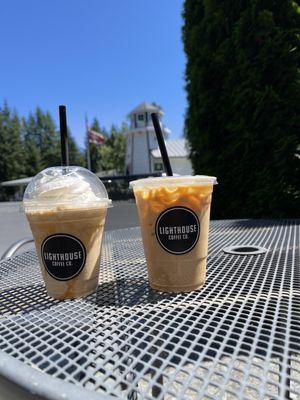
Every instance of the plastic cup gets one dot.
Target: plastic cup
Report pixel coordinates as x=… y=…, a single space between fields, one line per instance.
x=66 y=208
x=174 y=214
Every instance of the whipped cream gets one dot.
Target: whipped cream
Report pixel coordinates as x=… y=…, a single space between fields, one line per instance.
x=65 y=187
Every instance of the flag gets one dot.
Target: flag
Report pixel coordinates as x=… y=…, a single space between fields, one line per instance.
x=95 y=137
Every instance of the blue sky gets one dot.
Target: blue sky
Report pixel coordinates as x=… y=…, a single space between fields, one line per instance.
x=102 y=57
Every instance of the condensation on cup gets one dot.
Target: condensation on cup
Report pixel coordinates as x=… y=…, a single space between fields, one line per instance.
x=174 y=214
x=66 y=208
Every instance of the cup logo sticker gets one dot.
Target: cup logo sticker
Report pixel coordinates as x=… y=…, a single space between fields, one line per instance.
x=63 y=256
x=177 y=230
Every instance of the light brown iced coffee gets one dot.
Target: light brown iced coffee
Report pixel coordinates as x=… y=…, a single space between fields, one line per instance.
x=174 y=215
x=66 y=208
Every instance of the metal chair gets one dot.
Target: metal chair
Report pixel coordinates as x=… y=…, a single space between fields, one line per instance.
x=15 y=247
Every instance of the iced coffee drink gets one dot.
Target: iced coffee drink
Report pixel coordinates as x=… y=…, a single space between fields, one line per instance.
x=174 y=214
x=66 y=208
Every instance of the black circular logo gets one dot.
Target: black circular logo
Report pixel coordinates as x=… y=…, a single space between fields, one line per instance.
x=177 y=230
x=63 y=256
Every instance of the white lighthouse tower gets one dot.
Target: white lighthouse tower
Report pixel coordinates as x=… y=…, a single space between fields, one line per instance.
x=141 y=139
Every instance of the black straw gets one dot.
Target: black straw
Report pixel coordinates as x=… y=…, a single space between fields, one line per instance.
x=63 y=136
x=161 y=144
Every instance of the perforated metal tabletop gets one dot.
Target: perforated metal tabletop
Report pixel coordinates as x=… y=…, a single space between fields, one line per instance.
x=237 y=338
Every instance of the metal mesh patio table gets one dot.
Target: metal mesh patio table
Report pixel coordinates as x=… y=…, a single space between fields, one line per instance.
x=237 y=338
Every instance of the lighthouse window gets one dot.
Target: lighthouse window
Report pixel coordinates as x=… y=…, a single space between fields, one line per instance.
x=158 y=166
x=141 y=117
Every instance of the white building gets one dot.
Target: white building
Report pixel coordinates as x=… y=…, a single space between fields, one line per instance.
x=141 y=139
x=142 y=153
x=178 y=154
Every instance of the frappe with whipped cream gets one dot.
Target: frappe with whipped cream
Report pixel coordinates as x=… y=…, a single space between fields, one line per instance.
x=66 y=208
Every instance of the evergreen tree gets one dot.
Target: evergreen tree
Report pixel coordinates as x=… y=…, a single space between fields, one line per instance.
x=32 y=152
x=40 y=129
x=11 y=160
x=76 y=156
x=50 y=143
x=98 y=128
x=95 y=149
x=42 y=143
x=11 y=151
x=96 y=125
x=112 y=153
x=243 y=90
x=32 y=157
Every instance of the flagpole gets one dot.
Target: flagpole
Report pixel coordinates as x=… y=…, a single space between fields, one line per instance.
x=88 y=155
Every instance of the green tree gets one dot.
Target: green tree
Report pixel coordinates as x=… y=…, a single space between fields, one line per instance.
x=112 y=153
x=95 y=149
x=40 y=129
x=42 y=143
x=32 y=158
x=95 y=157
x=11 y=151
x=243 y=89
x=32 y=152
x=95 y=126
x=76 y=156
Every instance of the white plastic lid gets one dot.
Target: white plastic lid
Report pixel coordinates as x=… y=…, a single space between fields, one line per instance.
x=71 y=187
x=174 y=181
